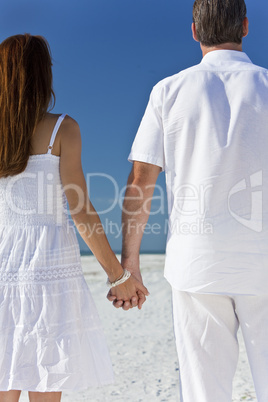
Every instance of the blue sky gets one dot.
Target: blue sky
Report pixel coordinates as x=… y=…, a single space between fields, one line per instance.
x=107 y=56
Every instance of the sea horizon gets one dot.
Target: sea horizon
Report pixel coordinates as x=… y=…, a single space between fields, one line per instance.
x=161 y=252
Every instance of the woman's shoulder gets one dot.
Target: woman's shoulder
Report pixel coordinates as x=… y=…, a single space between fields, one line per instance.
x=68 y=121
x=68 y=128
x=69 y=134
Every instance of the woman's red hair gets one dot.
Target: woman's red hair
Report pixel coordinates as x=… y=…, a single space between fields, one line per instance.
x=25 y=95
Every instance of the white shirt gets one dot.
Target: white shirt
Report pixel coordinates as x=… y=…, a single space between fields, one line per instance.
x=207 y=127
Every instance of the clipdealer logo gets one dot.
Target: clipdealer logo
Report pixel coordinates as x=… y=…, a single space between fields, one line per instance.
x=255 y=221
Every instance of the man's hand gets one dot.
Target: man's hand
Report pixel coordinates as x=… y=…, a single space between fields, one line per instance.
x=131 y=293
x=135 y=213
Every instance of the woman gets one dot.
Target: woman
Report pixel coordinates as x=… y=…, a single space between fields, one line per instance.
x=50 y=335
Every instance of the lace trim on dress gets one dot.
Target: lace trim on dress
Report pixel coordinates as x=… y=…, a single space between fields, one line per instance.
x=40 y=275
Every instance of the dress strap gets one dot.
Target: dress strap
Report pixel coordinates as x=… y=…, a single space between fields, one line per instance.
x=54 y=133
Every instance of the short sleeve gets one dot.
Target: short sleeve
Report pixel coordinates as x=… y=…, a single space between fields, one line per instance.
x=148 y=145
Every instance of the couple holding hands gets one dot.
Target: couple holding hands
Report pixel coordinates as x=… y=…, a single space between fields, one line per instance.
x=207 y=128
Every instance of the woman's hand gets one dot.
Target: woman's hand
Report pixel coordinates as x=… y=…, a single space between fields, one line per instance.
x=131 y=293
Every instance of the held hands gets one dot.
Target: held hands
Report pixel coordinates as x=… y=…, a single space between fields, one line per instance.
x=131 y=293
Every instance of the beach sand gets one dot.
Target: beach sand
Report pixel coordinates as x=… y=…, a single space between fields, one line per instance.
x=142 y=345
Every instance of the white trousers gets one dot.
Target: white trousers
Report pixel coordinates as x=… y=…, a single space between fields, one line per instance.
x=206 y=338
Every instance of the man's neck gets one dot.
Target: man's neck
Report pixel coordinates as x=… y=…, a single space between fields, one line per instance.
x=224 y=46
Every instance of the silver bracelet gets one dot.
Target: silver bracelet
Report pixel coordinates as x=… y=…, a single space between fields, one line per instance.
x=119 y=281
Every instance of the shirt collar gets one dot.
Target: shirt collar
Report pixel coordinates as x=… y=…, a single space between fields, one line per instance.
x=222 y=56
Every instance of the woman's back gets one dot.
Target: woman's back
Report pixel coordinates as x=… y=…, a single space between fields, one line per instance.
x=35 y=196
x=42 y=134
x=49 y=327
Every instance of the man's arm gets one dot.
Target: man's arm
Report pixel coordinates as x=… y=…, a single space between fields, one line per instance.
x=136 y=210
x=135 y=214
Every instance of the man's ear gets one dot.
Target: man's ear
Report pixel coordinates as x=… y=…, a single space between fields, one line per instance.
x=245 y=27
x=194 y=32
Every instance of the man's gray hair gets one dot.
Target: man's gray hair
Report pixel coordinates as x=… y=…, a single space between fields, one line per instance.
x=219 y=21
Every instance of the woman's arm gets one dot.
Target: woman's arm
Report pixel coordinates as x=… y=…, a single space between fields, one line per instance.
x=84 y=215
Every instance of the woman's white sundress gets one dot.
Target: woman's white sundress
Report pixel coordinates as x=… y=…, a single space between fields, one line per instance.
x=51 y=337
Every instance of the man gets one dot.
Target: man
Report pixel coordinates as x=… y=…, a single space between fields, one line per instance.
x=207 y=127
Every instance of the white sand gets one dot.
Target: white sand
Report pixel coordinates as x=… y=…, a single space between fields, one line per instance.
x=142 y=344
